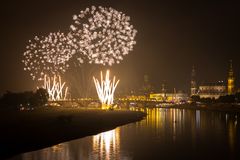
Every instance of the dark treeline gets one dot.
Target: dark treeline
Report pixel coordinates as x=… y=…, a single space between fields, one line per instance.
x=235 y=98
x=24 y=99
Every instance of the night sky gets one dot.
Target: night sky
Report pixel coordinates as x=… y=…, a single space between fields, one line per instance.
x=172 y=36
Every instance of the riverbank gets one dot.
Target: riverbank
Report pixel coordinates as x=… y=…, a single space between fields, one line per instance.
x=219 y=107
x=22 y=131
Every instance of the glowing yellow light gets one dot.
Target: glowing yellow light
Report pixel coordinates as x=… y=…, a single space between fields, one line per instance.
x=230 y=86
x=105 y=89
x=55 y=88
x=107 y=143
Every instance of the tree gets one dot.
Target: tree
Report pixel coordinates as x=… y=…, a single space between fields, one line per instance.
x=207 y=100
x=227 y=99
x=40 y=97
x=237 y=97
x=28 y=98
x=195 y=98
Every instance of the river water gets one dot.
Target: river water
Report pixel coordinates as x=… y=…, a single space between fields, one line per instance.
x=163 y=134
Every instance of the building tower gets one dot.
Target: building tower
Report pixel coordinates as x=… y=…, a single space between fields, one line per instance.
x=147 y=88
x=164 y=91
x=193 y=82
x=230 y=85
x=163 y=88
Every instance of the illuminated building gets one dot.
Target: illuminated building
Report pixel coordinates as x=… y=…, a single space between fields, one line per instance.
x=137 y=97
x=169 y=97
x=212 y=90
x=193 y=82
x=230 y=84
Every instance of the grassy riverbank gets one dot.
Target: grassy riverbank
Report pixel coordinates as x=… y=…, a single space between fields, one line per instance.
x=30 y=130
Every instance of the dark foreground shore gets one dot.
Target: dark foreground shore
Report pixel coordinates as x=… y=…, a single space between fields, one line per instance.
x=31 y=130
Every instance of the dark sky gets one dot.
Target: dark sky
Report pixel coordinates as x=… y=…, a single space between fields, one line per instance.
x=172 y=36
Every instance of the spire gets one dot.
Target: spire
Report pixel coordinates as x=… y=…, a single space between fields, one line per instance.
x=193 y=82
x=163 y=87
x=230 y=73
x=230 y=85
x=193 y=72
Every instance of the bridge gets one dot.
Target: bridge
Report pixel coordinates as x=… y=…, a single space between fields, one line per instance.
x=89 y=102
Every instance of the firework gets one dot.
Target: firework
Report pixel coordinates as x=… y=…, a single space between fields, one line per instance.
x=103 y=35
x=55 y=87
x=48 y=55
x=106 y=88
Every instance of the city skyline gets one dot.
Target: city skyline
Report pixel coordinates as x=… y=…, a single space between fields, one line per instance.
x=171 y=37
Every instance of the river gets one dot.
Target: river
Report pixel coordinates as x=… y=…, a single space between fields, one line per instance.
x=163 y=134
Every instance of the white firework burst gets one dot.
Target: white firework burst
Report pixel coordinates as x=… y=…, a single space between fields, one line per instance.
x=103 y=35
x=48 y=55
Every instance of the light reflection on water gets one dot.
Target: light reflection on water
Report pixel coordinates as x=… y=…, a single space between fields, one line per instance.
x=164 y=134
x=105 y=146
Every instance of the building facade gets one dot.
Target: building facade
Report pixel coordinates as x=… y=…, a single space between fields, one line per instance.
x=212 y=90
x=193 y=89
x=169 y=97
